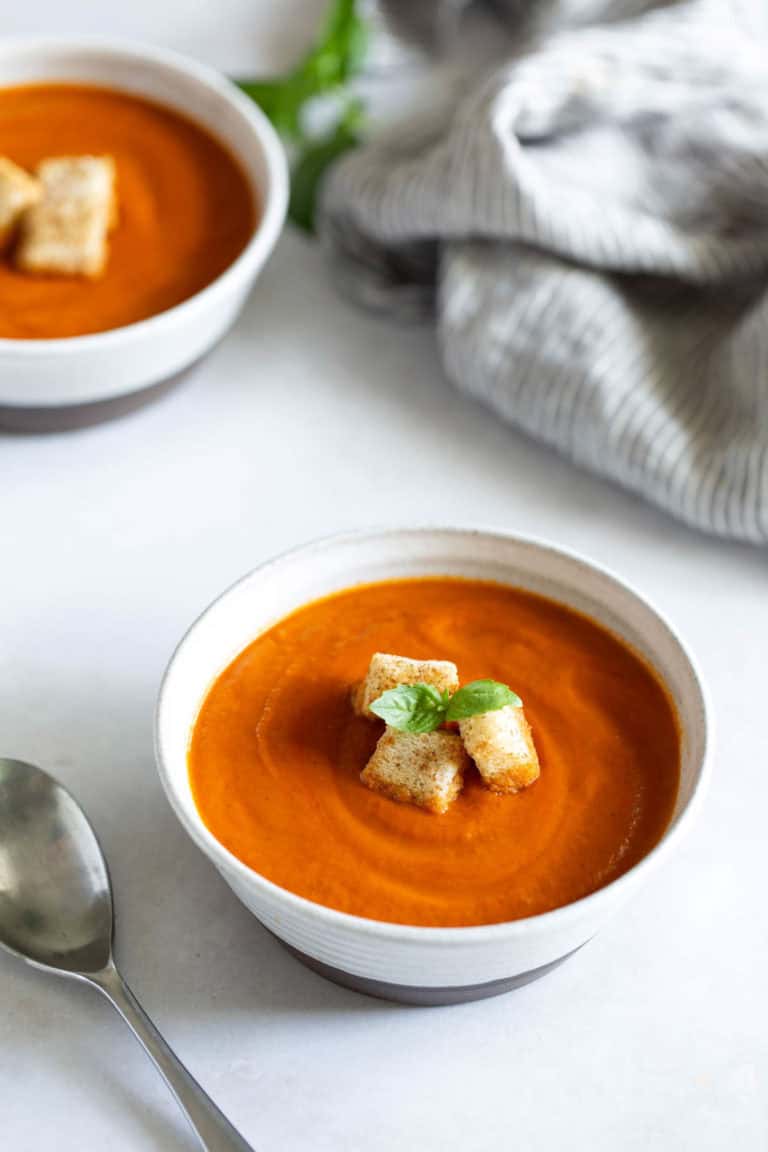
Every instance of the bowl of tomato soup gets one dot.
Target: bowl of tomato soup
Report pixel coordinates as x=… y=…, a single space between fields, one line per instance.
x=201 y=191
x=260 y=755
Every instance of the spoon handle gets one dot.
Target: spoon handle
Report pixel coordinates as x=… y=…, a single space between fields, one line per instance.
x=211 y=1126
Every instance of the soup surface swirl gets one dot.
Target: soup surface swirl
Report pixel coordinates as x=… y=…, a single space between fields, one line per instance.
x=276 y=753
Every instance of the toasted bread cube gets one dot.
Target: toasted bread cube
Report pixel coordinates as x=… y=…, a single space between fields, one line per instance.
x=18 y=191
x=386 y=671
x=65 y=233
x=501 y=745
x=423 y=768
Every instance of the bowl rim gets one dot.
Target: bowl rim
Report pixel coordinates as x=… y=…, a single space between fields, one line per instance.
x=274 y=195
x=469 y=935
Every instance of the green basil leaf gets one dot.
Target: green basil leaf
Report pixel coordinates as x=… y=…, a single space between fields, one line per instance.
x=411 y=708
x=312 y=164
x=340 y=48
x=280 y=101
x=335 y=58
x=478 y=697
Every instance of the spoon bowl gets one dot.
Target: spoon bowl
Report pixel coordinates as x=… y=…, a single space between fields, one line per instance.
x=55 y=896
x=56 y=914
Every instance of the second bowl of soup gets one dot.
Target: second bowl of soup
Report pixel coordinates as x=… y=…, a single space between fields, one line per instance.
x=199 y=198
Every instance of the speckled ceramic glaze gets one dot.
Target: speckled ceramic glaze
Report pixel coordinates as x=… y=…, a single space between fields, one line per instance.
x=414 y=964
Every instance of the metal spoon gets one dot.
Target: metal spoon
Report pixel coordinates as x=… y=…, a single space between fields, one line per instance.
x=56 y=913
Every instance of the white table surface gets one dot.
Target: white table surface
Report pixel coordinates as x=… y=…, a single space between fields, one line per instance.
x=654 y=1037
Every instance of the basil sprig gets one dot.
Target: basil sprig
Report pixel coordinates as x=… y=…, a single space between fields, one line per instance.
x=421 y=708
x=326 y=71
x=412 y=707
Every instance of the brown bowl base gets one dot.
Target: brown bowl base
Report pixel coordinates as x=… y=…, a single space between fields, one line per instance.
x=425 y=997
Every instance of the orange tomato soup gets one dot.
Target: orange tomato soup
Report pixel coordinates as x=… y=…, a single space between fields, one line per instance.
x=276 y=754
x=185 y=208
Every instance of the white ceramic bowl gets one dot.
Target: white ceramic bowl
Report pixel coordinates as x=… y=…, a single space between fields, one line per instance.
x=83 y=370
x=424 y=965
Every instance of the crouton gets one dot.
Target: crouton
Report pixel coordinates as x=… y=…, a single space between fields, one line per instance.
x=423 y=768
x=501 y=745
x=65 y=233
x=18 y=191
x=386 y=671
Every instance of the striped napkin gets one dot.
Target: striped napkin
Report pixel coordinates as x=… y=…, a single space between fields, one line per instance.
x=588 y=221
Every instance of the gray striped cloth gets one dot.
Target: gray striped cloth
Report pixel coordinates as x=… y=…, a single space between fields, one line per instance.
x=589 y=222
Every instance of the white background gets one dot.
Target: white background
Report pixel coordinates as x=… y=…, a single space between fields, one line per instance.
x=313 y=417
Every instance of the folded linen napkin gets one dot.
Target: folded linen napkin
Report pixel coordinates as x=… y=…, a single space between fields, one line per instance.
x=589 y=221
